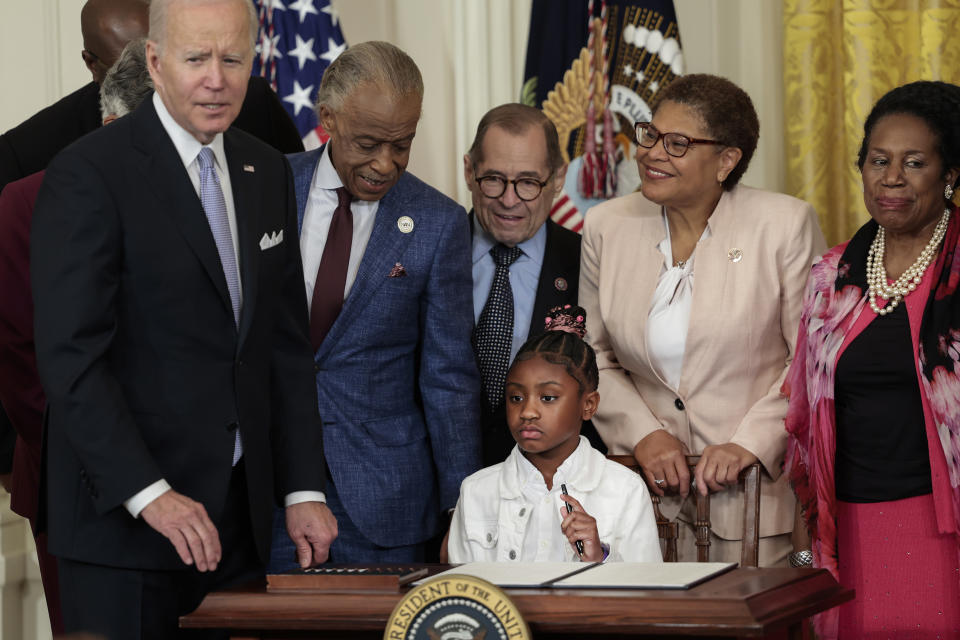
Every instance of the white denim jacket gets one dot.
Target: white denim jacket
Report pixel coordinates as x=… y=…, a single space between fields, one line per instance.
x=493 y=515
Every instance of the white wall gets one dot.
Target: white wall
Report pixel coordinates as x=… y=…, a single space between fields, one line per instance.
x=40 y=60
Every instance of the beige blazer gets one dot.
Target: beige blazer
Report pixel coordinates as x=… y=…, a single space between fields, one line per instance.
x=749 y=277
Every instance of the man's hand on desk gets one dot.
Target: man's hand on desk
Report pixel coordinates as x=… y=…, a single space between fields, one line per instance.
x=313 y=529
x=185 y=523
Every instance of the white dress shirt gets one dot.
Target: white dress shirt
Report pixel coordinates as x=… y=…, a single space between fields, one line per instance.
x=540 y=541
x=317 y=215
x=188 y=148
x=669 y=317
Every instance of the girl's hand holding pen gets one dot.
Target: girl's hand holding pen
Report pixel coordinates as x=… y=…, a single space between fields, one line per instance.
x=580 y=525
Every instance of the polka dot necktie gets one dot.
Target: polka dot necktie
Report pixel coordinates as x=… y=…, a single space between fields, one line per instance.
x=493 y=337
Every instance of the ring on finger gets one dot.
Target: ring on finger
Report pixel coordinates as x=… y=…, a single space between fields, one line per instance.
x=660 y=481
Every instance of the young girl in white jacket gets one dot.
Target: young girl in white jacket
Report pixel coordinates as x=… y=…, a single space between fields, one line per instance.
x=518 y=509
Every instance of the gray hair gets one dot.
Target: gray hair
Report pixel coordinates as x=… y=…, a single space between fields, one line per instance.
x=375 y=62
x=515 y=119
x=127 y=82
x=158 y=20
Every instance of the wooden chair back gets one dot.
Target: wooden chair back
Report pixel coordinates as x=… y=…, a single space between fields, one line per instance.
x=669 y=531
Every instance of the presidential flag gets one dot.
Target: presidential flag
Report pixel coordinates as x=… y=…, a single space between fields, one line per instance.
x=297 y=41
x=595 y=68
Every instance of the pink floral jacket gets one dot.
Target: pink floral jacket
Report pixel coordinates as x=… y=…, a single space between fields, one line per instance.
x=833 y=300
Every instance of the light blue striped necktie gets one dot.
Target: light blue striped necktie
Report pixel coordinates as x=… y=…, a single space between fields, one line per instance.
x=211 y=197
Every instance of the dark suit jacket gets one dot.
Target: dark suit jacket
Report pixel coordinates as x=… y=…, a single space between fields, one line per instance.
x=8 y=439
x=145 y=372
x=561 y=260
x=30 y=146
x=559 y=280
x=396 y=378
x=20 y=390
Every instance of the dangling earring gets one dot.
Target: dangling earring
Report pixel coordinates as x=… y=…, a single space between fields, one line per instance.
x=948 y=192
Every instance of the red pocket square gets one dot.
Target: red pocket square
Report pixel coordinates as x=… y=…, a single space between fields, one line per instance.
x=397 y=272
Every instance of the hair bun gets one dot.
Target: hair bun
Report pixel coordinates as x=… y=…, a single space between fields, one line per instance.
x=569 y=318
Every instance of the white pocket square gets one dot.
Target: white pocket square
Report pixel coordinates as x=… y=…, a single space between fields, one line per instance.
x=271 y=240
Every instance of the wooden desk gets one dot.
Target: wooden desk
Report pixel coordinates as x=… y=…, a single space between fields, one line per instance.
x=741 y=603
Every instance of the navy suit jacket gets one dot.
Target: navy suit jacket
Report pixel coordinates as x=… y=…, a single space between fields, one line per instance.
x=146 y=373
x=397 y=382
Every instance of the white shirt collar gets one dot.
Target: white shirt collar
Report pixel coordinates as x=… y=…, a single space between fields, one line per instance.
x=187 y=146
x=533 y=247
x=579 y=470
x=326 y=176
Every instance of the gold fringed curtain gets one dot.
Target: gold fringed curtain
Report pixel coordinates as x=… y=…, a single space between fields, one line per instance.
x=839 y=58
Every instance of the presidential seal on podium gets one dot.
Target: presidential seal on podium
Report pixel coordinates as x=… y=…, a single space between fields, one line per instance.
x=456 y=607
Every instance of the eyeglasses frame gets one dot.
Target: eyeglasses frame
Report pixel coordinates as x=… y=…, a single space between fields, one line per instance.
x=507 y=182
x=661 y=135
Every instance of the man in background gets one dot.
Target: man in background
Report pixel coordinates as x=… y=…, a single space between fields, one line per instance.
x=172 y=343
x=524 y=264
x=387 y=277
x=107 y=27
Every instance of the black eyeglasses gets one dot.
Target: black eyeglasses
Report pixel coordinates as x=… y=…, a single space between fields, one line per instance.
x=527 y=189
x=675 y=144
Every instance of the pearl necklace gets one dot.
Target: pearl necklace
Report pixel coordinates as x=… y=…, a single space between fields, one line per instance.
x=910 y=279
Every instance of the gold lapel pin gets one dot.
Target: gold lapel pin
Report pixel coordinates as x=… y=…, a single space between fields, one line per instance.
x=405 y=224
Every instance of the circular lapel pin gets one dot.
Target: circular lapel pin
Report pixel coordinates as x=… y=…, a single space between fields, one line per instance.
x=735 y=255
x=560 y=284
x=405 y=224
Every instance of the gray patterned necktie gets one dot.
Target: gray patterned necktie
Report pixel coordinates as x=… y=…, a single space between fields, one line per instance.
x=493 y=336
x=211 y=197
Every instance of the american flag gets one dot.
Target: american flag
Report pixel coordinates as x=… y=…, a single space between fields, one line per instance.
x=297 y=41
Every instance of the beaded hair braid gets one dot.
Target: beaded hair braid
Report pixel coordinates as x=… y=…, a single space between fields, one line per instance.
x=562 y=343
x=936 y=103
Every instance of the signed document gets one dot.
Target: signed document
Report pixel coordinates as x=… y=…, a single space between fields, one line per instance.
x=518 y=574
x=575 y=575
x=643 y=575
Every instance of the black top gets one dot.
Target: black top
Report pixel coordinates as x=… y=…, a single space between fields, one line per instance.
x=29 y=147
x=881 y=438
x=8 y=437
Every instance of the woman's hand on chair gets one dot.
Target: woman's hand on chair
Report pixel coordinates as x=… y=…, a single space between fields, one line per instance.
x=664 y=464
x=720 y=466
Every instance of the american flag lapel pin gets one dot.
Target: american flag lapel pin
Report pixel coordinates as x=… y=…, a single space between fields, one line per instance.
x=249 y=168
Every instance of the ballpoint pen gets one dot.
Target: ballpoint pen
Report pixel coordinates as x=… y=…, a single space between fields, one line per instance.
x=579 y=543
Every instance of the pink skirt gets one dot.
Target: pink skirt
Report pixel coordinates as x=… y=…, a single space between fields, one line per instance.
x=905 y=573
